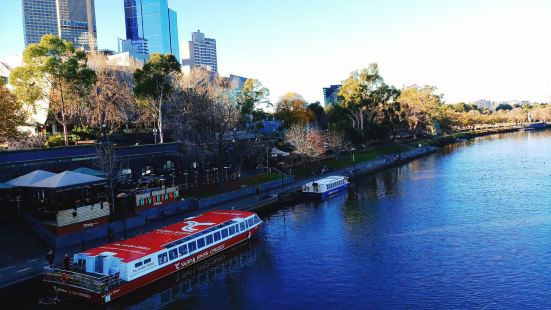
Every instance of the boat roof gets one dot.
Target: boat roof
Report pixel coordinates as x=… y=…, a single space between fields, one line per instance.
x=138 y=247
x=329 y=179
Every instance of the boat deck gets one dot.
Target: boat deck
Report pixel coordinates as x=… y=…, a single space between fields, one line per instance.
x=90 y=281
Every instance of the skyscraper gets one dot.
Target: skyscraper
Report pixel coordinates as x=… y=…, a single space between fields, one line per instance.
x=331 y=95
x=71 y=20
x=200 y=52
x=151 y=27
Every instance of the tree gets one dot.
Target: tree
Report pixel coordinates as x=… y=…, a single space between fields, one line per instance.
x=336 y=141
x=419 y=108
x=320 y=115
x=204 y=112
x=111 y=95
x=291 y=109
x=153 y=85
x=57 y=73
x=306 y=142
x=252 y=95
x=504 y=106
x=368 y=100
x=11 y=115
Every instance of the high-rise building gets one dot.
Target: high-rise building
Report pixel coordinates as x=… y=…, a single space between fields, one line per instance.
x=200 y=52
x=331 y=95
x=151 y=27
x=71 y=20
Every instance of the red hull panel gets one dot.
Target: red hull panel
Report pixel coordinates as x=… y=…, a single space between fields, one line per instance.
x=171 y=268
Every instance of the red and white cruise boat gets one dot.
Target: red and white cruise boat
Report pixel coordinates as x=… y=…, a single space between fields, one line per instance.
x=113 y=270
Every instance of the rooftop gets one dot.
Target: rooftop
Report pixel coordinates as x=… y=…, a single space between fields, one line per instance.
x=138 y=247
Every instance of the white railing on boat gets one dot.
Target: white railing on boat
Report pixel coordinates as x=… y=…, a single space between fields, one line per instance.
x=93 y=283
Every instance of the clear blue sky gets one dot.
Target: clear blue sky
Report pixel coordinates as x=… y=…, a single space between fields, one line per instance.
x=470 y=49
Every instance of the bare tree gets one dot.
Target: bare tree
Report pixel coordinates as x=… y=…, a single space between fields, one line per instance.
x=204 y=112
x=112 y=94
x=106 y=162
x=308 y=143
x=336 y=142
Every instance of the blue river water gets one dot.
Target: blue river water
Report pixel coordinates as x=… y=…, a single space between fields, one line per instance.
x=467 y=228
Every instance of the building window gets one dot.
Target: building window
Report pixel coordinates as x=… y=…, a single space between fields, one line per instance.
x=169 y=166
x=148 y=170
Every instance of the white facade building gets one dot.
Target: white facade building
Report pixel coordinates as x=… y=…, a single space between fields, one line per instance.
x=200 y=52
x=37 y=112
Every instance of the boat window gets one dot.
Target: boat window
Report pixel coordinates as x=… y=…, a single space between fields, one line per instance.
x=217 y=236
x=182 y=250
x=173 y=254
x=138 y=265
x=232 y=230
x=242 y=226
x=250 y=222
x=147 y=261
x=192 y=246
x=209 y=239
x=256 y=219
x=163 y=258
x=200 y=243
x=224 y=233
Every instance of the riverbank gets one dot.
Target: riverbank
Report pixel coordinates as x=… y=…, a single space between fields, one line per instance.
x=468 y=135
x=31 y=267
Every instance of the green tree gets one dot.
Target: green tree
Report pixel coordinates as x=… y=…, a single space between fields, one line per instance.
x=11 y=115
x=320 y=114
x=369 y=101
x=153 y=85
x=252 y=95
x=504 y=107
x=420 y=108
x=55 y=72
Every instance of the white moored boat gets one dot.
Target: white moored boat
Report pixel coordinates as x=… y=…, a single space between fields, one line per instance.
x=325 y=187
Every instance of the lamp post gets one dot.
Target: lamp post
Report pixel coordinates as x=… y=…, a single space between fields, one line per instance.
x=155 y=131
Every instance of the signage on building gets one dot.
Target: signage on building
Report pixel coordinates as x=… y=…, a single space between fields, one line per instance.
x=156 y=197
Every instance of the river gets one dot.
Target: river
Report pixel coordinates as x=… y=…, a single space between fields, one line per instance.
x=468 y=227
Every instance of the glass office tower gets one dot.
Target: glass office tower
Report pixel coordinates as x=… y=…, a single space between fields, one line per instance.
x=71 y=20
x=39 y=19
x=152 y=25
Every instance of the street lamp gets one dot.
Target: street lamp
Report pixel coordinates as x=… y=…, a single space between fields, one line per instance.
x=186 y=174
x=226 y=171
x=155 y=132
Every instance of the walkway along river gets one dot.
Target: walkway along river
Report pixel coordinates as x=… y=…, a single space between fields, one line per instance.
x=468 y=227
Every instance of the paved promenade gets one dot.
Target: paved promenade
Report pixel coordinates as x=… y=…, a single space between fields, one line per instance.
x=31 y=267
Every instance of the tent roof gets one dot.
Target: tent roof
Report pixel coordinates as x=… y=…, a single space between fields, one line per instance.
x=89 y=171
x=6 y=186
x=30 y=178
x=67 y=179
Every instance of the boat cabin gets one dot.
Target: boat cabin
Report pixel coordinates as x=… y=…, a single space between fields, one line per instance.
x=325 y=185
x=139 y=256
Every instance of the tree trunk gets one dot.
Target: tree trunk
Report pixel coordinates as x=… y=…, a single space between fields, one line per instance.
x=219 y=158
x=160 y=122
x=63 y=118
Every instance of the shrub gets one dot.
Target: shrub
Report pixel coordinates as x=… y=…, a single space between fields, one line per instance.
x=54 y=141
x=83 y=133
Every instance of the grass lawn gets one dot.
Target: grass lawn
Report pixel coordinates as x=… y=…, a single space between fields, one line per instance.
x=347 y=161
x=206 y=191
